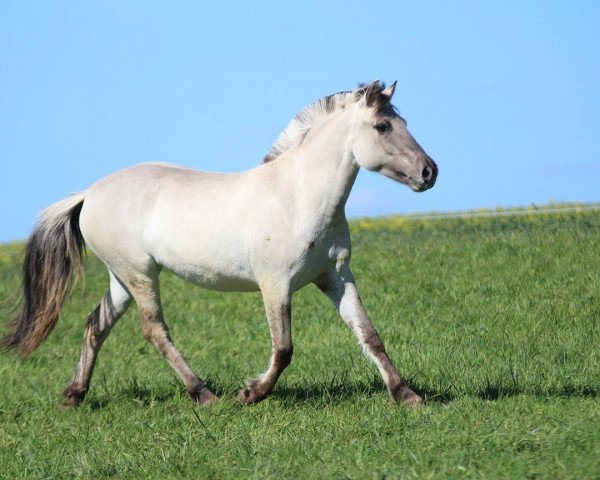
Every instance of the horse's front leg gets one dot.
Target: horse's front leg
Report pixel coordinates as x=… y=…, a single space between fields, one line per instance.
x=279 y=316
x=339 y=286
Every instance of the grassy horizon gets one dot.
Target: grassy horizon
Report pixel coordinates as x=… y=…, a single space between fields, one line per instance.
x=496 y=321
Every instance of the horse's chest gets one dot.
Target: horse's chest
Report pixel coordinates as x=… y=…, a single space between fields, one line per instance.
x=317 y=258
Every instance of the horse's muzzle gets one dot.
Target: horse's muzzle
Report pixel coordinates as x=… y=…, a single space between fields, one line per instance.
x=429 y=174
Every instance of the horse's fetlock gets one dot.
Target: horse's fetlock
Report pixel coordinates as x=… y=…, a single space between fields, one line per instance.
x=284 y=355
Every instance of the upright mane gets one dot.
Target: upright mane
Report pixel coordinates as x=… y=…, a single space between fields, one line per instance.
x=310 y=116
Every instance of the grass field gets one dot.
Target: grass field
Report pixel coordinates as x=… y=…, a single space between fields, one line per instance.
x=495 y=321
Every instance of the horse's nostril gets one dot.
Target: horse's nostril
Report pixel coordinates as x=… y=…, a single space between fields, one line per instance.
x=426 y=173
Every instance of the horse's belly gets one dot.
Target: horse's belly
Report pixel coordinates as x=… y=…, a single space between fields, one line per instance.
x=214 y=278
x=212 y=271
x=218 y=281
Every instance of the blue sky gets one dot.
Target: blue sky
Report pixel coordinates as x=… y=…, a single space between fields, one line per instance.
x=505 y=96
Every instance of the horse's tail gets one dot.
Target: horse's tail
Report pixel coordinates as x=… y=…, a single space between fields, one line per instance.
x=54 y=255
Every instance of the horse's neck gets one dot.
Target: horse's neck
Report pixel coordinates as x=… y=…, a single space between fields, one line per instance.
x=324 y=173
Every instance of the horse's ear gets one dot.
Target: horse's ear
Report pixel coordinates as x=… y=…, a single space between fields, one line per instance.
x=372 y=93
x=378 y=96
x=389 y=91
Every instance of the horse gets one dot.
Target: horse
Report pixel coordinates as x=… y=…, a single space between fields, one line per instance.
x=274 y=228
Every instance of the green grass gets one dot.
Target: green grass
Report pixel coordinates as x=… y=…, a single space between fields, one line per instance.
x=496 y=321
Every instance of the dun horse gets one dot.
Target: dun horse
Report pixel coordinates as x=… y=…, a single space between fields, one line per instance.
x=274 y=228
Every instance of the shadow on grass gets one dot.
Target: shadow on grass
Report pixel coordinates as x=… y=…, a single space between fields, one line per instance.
x=494 y=392
x=431 y=395
x=338 y=391
x=141 y=394
x=328 y=391
x=342 y=390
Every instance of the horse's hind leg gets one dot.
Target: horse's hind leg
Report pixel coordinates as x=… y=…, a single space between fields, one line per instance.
x=147 y=295
x=101 y=320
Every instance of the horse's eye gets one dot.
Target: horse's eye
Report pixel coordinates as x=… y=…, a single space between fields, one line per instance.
x=382 y=127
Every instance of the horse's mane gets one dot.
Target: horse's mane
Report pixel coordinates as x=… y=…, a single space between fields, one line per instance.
x=308 y=117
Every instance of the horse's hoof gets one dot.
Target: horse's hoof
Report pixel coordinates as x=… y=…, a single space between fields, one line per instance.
x=413 y=401
x=74 y=398
x=406 y=396
x=243 y=396
x=250 y=394
x=203 y=396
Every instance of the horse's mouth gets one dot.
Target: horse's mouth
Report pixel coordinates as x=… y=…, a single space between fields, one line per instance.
x=419 y=188
x=398 y=176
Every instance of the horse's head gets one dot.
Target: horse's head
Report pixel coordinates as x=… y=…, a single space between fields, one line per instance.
x=382 y=143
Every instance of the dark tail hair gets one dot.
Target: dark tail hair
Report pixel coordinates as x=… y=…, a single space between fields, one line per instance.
x=54 y=255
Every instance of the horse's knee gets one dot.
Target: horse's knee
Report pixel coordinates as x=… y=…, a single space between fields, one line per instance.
x=156 y=333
